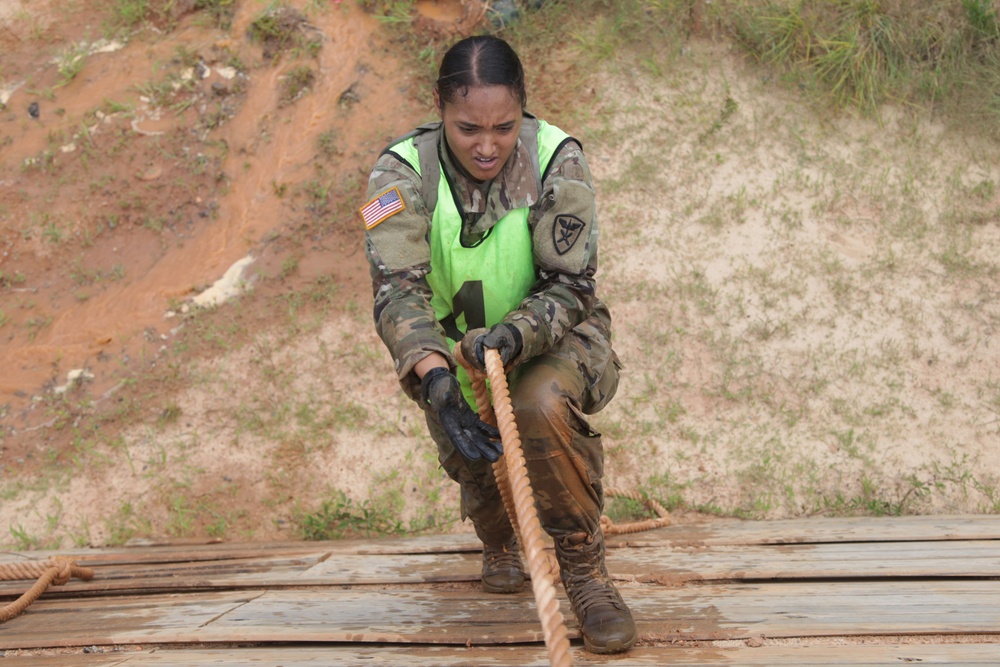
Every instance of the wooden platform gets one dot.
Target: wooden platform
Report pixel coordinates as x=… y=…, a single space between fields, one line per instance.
x=817 y=592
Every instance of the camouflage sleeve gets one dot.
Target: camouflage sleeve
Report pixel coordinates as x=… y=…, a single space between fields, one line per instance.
x=564 y=237
x=398 y=250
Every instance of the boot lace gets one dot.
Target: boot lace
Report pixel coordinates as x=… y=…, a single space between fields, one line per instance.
x=499 y=559
x=594 y=592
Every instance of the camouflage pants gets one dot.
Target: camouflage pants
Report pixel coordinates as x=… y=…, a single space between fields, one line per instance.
x=551 y=396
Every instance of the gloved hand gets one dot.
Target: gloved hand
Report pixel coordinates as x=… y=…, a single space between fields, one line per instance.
x=504 y=338
x=473 y=438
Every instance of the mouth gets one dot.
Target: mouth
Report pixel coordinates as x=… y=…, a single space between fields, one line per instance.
x=486 y=164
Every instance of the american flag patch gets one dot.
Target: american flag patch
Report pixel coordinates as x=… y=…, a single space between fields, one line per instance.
x=382 y=207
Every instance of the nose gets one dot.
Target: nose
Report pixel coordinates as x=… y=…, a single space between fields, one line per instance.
x=487 y=144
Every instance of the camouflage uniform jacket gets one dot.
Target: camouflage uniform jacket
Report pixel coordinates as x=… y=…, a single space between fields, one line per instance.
x=563 y=221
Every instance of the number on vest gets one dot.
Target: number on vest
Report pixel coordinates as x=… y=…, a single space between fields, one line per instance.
x=468 y=301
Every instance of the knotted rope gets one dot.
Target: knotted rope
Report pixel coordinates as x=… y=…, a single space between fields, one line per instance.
x=56 y=570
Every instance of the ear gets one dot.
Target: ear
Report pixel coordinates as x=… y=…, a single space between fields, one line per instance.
x=437 y=101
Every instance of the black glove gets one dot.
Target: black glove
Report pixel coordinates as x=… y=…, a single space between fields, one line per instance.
x=474 y=439
x=504 y=338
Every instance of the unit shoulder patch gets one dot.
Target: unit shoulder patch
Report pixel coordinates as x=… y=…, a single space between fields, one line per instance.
x=566 y=231
x=383 y=207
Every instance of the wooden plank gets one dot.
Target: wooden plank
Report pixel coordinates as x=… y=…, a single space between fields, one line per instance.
x=957 y=655
x=164 y=553
x=428 y=615
x=722 y=532
x=197 y=575
x=807 y=561
x=663 y=565
x=704 y=612
x=393 y=569
x=673 y=566
x=819 y=530
x=80 y=622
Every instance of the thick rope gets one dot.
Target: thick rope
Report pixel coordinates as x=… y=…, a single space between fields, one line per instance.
x=518 y=499
x=663 y=516
x=57 y=570
x=486 y=413
x=520 y=496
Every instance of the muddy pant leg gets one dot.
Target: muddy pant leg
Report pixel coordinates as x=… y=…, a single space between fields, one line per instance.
x=481 y=500
x=551 y=396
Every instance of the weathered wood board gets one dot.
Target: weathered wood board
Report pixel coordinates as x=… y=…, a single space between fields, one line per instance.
x=422 y=616
x=660 y=564
x=673 y=565
x=819 y=530
x=894 y=655
x=720 y=532
x=183 y=575
x=820 y=592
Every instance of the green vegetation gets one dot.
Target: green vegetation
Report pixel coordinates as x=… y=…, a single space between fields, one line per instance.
x=125 y=524
x=88 y=276
x=327 y=143
x=339 y=517
x=221 y=11
x=281 y=28
x=864 y=53
x=131 y=14
x=35 y=324
x=273 y=25
x=296 y=83
x=390 y=11
x=70 y=62
x=17 y=278
x=855 y=53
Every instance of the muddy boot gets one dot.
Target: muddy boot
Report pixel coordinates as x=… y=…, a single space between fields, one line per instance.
x=605 y=620
x=502 y=570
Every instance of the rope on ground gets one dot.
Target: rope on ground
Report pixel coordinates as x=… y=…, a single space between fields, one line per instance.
x=611 y=528
x=57 y=570
x=520 y=496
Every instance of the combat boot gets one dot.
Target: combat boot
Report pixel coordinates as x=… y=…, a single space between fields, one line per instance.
x=605 y=620
x=502 y=569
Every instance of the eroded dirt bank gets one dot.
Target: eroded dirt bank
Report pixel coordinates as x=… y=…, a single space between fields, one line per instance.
x=134 y=174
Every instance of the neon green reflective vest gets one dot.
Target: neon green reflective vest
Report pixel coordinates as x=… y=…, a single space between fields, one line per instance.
x=477 y=286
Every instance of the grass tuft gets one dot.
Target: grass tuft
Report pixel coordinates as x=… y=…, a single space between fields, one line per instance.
x=297 y=83
x=864 y=53
x=281 y=28
x=340 y=517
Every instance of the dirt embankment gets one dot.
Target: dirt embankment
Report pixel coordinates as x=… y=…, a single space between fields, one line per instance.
x=144 y=177
x=136 y=173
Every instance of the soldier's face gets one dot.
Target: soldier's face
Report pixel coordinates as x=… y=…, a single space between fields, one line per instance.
x=481 y=128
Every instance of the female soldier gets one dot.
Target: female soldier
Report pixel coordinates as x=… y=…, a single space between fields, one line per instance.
x=483 y=229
